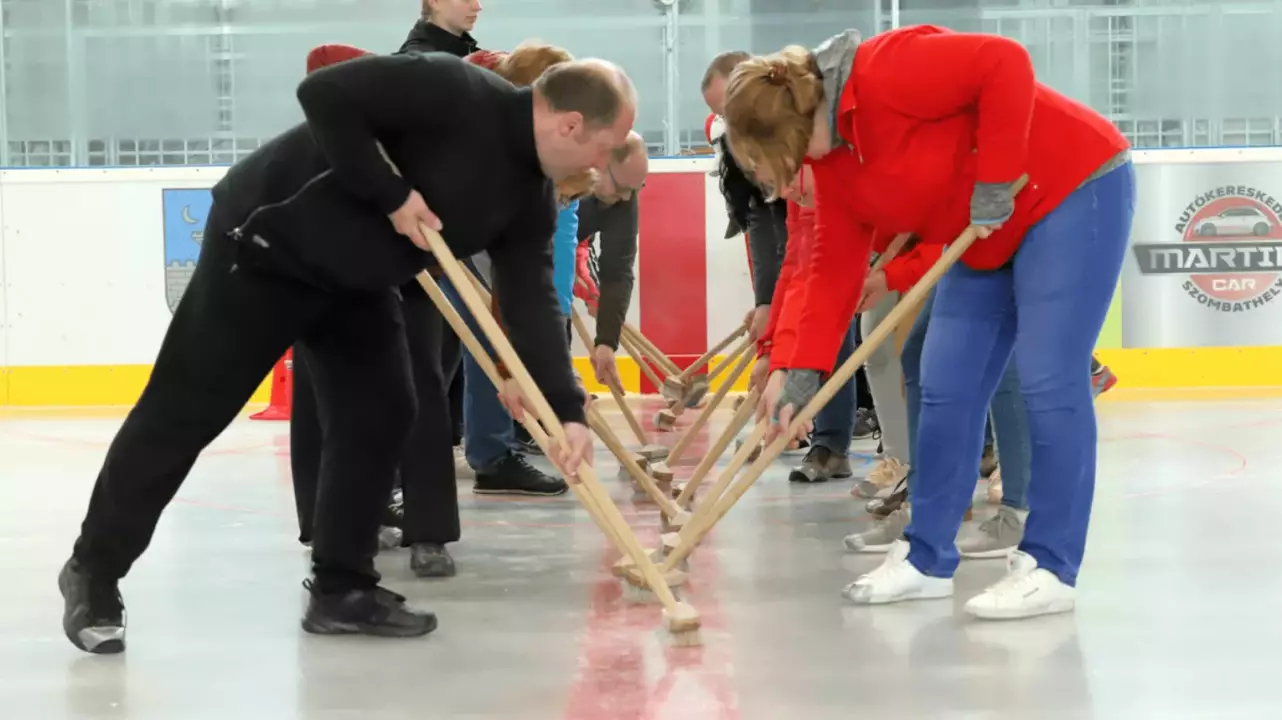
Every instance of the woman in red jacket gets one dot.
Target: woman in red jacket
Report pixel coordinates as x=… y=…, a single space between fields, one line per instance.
x=925 y=130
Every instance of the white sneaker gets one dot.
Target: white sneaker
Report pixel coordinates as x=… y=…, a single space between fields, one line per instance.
x=895 y=580
x=1026 y=591
x=462 y=471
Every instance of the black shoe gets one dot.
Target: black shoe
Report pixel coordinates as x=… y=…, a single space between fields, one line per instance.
x=430 y=560
x=394 y=515
x=514 y=475
x=93 y=616
x=373 y=611
x=525 y=444
x=866 y=425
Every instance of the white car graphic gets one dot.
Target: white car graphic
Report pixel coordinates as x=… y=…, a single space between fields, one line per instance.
x=1240 y=220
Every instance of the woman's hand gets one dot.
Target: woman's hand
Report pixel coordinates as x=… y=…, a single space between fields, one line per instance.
x=991 y=204
x=786 y=392
x=760 y=369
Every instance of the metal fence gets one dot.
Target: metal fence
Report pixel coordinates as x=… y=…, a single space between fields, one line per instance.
x=193 y=82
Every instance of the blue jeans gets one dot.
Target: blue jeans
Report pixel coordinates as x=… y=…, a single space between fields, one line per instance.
x=835 y=423
x=1008 y=418
x=1047 y=308
x=488 y=433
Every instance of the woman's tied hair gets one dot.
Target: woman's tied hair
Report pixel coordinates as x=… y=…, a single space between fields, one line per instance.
x=771 y=102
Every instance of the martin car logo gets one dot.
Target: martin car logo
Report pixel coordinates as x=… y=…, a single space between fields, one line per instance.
x=1229 y=249
x=185 y=212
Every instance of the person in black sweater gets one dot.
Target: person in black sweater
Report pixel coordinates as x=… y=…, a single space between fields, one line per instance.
x=298 y=248
x=611 y=214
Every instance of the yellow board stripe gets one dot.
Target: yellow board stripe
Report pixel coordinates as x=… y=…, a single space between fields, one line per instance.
x=1253 y=367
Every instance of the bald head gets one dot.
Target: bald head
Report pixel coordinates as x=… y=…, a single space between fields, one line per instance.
x=597 y=89
x=583 y=112
x=716 y=76
x=626 y=173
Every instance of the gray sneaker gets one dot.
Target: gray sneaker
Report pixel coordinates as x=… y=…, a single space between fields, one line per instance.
x=993 y=538
x=821 y=465
x=881 y=536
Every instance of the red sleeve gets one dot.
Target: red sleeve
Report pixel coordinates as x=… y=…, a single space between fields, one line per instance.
x=326 y=55
x=931 y=73
x=905 y=270
x=799 y=237
x=830 y=282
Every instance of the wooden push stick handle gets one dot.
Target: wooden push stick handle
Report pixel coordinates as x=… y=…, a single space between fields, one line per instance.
x=700 y=523
x=741 y=418
x=748 y=345
x=651 y=350
x=640 y=359
x=745 y=359
x=660 y=498
x=556 y=432
x=581 y=328
x=704 y=358
x=491 y=371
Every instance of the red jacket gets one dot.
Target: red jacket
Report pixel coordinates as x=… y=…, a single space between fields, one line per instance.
x=902 y=272
x=928 y=113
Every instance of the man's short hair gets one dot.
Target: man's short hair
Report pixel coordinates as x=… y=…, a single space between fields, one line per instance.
x=722 y=65
x=595 y=89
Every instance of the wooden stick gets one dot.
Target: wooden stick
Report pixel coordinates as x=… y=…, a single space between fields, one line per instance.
x=746 y=355
x=701 y=523
x=663 y=500
x=674 y=611
x=704 y=358
x=487 y=365
x=741 y=417
x=639 y=357
x=651 y=349
x=581 y=328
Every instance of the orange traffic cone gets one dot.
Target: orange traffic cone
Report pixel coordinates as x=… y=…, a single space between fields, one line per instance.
x=282 y=390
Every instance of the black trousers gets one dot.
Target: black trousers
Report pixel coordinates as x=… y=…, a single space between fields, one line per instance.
x=426 y=466
x=230 y=328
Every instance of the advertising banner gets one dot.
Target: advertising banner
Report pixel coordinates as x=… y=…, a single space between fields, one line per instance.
x=1205 y=266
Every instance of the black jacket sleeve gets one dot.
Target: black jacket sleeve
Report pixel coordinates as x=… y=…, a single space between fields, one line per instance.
x=618 y=255
x=352 y=105
x=527 y=299
x=767 y=239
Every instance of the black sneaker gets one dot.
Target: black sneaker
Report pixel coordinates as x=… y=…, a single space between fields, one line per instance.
x=394 y=515
x=514 y=475
x=373 y=611
x=525 y=444
x=431 y=560
x=93 y=616
x=866 y=425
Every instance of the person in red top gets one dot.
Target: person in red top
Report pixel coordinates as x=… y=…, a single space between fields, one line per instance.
x=926 y=130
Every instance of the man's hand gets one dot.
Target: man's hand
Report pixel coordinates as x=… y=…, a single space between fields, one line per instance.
x=760 y=369
x=514 y=401
x=757 y=321
x=578 y=440
x=605 y=367
x=874 y=290
x=408 y=216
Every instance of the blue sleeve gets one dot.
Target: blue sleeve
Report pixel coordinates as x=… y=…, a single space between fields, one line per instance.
x=564 y=246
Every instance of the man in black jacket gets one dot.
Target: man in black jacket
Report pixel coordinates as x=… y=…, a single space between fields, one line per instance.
x=299 y=248
x=611 y=214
